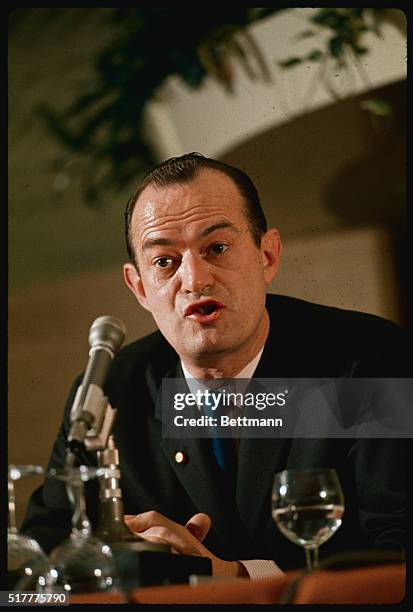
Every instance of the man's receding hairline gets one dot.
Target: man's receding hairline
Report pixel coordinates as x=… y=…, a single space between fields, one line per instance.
x=184 y=180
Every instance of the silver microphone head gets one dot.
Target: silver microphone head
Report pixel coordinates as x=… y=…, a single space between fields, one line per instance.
x=108 y=332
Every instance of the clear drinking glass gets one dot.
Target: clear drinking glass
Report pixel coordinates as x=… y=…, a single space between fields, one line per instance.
x=307 y=507
x=26 y=561
x=82 y=563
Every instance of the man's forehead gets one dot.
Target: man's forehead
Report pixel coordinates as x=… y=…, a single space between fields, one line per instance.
x=154 y=197
x=210 y=192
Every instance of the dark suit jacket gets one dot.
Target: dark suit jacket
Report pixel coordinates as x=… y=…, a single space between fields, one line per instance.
x=305 y=340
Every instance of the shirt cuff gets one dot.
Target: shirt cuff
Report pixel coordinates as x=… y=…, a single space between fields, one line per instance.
x=260 y=568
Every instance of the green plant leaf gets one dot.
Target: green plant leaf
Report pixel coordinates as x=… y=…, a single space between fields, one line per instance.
x=305 y=34
x=328 y=18
x=360 y=50
x=335 y=46
x=377 y=106
x=289 y=63
x=315 y=56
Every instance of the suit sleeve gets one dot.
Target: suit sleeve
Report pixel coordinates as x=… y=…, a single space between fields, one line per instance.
x=379 y=471
x=379 y=465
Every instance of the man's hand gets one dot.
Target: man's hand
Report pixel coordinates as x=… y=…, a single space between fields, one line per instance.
x=184 y=540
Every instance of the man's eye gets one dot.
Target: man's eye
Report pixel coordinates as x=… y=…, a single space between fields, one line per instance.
x=163 y=262
x=218 y=248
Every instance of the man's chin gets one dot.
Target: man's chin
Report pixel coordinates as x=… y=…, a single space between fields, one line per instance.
x=206 y=353
x=204 y=344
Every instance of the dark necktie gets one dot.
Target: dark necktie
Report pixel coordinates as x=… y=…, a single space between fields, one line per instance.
x=223 y=448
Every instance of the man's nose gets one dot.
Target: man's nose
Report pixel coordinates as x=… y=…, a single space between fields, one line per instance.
x=195 y=273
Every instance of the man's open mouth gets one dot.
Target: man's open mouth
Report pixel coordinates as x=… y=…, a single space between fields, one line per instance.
x=204 y=312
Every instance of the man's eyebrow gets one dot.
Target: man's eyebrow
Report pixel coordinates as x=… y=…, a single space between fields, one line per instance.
x=152 y=242
x=216 y=226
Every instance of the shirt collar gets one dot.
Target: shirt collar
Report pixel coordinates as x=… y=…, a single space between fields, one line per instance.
x=247 y=372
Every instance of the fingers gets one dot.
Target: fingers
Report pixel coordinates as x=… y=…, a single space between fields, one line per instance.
x=154 y=524
x=152 y=538
x=180 y=541
x=199 y=525
x=145 y=520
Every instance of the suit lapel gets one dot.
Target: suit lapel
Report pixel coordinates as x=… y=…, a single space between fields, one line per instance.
x=260 y=458
x=198 y=473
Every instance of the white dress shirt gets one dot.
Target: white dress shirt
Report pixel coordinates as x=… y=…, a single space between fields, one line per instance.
x=256 y=568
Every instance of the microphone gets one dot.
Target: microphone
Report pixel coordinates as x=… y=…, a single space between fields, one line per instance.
x=87 y=413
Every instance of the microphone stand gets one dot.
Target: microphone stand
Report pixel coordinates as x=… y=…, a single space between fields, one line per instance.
x=111 y=526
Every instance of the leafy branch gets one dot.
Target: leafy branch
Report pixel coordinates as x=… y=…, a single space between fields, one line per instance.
x=104 y=126
x=345 y=28
x=106 y=122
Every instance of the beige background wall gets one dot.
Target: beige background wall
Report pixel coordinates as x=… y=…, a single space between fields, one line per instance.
x=330 y=181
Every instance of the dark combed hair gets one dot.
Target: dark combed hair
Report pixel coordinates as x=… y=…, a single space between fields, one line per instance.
x=184 y=169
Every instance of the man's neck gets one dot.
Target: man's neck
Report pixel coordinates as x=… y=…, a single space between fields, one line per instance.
x=246 y=373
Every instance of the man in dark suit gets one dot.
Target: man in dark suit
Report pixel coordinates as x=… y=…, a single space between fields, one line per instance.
x=201 y=258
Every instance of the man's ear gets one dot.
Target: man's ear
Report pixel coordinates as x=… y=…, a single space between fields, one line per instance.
x=271 y=249
x=133 y=280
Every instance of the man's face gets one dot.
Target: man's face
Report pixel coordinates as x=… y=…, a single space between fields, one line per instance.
x=201 y=275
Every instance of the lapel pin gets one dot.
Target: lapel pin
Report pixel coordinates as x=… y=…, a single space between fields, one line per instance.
x=181 y=457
